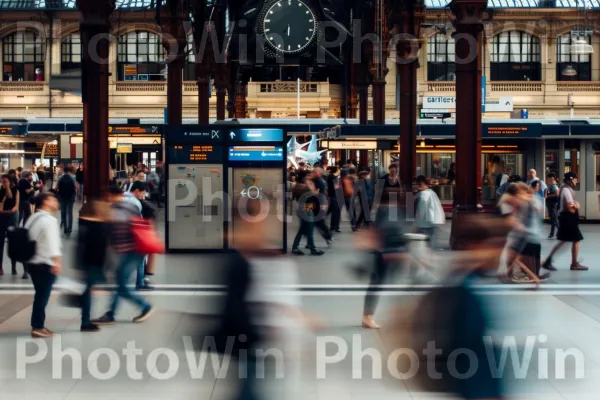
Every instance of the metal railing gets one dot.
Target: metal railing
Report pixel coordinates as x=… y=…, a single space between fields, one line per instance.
x=23 y=86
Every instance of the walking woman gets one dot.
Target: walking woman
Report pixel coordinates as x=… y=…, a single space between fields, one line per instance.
x=9 y=216
x=387 y=244
x=568 y=224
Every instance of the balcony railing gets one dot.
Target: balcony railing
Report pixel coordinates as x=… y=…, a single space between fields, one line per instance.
x=141 y=87
x=22 y=86
x=289 y=87
x=578 y=87
x=441 y=86
x=192 y=87
x=516 y=86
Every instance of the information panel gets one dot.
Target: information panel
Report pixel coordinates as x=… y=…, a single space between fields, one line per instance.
x=133 y=129
x=196 y=154
x=512 y=131
x=256 y=135
x=256 y=153
x=124 y=148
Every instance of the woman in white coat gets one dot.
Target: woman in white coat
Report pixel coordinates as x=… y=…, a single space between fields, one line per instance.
x=428 y=210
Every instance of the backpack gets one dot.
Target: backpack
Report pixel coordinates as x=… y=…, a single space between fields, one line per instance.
x=66 y=187
x=20 y=246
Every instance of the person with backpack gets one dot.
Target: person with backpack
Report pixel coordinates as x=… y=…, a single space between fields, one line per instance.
x=9 y=217
x=45 y=263
x=67 y=191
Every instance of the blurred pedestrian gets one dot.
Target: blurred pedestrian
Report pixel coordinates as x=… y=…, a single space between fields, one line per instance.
x=26 y=194
x=552 y=200
x=93 y=240
x=9 y=216
x=67 y=192
x=429 y=212
x=124 y=213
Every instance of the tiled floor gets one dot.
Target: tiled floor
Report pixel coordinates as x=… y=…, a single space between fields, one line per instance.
x=566 y=312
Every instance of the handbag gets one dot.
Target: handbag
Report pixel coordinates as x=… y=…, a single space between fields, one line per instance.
x=146 y=238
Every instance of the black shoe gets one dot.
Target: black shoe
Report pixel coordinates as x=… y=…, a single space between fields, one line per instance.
x=307 y=247
x=297 y=252
x=90 y=328
x=548 y=265
x=316 y=252
x=338 y=231
x=104 y=320
x=144 y=316
x=550 y=236
x=544 y=277
x=146 y=288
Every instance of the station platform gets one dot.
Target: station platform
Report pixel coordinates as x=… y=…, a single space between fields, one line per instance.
x=565 y=311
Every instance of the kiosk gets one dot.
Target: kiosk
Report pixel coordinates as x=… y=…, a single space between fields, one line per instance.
x=211 y=172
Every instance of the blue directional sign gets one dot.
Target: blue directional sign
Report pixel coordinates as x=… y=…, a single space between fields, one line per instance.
x=256 y=134
x=256 y=153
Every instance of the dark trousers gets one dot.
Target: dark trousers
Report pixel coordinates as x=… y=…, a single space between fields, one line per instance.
x=321 y=225
x=66 y=214
x=6 y=221
x=42 y=279
x=365 y=214
x=93 y=277
x=155 y=197
x=24 y=212
x=553 y=215
x=307 y=228
x=248 y=389
x=336 y=213
x=378 y=277
x=349 y=201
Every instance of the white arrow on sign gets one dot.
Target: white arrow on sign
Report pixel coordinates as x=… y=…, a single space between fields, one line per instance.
x=231 y=135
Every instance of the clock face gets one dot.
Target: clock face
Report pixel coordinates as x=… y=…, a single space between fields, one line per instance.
x=289 y=26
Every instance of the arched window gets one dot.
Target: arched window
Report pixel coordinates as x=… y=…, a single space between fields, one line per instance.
x=580 y=63
x=516 y=57
x=23 y=56
x=70 y=52
x=440 y=59
x=141 y=57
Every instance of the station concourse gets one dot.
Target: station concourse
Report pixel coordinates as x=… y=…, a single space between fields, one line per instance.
x=243 y=121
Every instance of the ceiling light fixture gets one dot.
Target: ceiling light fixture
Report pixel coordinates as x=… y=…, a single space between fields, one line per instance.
x=569 y=71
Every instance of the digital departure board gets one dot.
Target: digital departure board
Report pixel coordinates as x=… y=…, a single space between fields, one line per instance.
x=512 y=130
x=196 y=154
x=133 y=129
x=256 y=153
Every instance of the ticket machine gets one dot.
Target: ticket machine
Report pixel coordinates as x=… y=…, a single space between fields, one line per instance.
x=256 y=159
x=195 y=198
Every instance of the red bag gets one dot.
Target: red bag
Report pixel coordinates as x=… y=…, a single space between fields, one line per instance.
x=146 y=238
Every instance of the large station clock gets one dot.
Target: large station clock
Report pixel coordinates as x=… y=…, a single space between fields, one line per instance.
x=289 y=26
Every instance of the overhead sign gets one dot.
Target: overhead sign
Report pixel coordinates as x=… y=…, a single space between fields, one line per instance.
x=133 y=129
x=124 y=148
x=13 y=129
x=352 y=145
x=431 y=115
x=256 y=135
x=499 y=104
x=436 y=102
x=198 y=154
x=191 y=133
x=256 y=153
x=512 y=130
x=489 y=104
